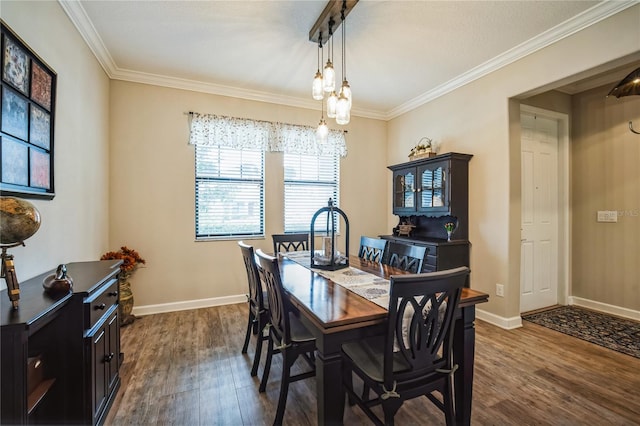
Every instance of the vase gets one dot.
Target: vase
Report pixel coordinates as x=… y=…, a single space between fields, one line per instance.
x=449 y=235
x=126 y=303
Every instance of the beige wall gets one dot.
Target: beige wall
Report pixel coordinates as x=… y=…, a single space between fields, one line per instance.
x=75 y=223
x=606 y=176
x=152 y=189
x=604 y=159
x=149 y=203
x=552 y=101
x=476 y=119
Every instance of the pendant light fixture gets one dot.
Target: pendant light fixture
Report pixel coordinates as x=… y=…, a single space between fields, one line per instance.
x=329 y=74
x=343 y=114
x=338 y=101
x=343 y=106
x=628 y=86
x=322 y=132
x=332 y=102
x=317 y=89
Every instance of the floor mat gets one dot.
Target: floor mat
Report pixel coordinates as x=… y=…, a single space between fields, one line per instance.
x=619 y=334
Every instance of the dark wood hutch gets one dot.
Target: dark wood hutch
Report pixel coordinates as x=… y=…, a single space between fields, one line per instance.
x=427 y=194
x=61 y=353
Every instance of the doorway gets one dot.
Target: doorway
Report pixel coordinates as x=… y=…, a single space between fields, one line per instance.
x=544 y=257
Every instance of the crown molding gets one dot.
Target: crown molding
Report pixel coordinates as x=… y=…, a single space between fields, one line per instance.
x=85 y=27
x=83 y=24
x=579 y=22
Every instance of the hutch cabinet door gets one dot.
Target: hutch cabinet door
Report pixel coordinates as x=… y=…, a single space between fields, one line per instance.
x=433 y=193
x=404 y=191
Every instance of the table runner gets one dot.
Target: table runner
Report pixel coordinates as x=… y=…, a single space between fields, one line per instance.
x=369 y=286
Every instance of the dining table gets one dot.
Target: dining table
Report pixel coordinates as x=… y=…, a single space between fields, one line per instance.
x=337 y=312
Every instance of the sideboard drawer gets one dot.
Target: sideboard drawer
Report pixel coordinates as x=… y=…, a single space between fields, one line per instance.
x=99 y=303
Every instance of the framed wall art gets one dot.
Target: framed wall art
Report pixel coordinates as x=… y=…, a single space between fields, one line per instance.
x=27 y=117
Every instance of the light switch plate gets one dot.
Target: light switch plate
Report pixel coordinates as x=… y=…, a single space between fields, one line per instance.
x=607 y=216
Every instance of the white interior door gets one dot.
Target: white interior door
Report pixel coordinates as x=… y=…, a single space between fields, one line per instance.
x=539 y=236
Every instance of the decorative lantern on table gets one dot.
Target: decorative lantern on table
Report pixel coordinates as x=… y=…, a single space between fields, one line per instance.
x=329 y=258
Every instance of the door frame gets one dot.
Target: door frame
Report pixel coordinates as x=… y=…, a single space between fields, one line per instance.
x=564 y=196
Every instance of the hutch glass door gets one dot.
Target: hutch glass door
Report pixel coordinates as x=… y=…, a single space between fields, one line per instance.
x=433 y=190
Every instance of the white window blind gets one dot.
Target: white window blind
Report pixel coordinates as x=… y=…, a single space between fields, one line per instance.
x=309 y=182
x=229 y=192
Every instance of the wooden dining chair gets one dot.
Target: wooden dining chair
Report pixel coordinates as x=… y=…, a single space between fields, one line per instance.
x=415 y=357
x=258 y=308
x=290 y=242
x=287 y=335
x=372 y=248
x=407 y=257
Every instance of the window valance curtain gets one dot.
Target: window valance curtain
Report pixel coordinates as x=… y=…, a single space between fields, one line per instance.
x=230 y=132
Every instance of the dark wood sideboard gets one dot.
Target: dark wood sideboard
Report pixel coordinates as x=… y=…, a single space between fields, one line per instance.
x=428 y=193
x=61 y=354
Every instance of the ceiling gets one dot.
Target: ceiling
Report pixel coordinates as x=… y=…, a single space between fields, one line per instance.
x=400 y=54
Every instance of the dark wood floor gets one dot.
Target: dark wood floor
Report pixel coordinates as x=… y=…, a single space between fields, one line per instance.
x=185 y=368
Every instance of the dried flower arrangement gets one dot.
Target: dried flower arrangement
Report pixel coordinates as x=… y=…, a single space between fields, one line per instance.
x=131 y=258
x=424 y=148
x=131 y=262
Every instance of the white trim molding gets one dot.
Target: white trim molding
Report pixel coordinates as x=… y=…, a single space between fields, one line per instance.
x=605 y=308
x=502 y=322
x=188 y=304
x=87 y=30
x=579 y=22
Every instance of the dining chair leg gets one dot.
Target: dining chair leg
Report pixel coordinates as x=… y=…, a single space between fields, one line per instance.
x=267 y=365
x=365 y=392
x=390 y=407
x=248 y=334
x=447 y=399
x=347 y=383
x=284 y=388
x=258 y=353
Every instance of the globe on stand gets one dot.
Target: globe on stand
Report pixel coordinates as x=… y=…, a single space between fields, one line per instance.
x=20 y=220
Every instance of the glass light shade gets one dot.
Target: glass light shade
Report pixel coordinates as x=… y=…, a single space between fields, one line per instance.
x=630 y=85
x=316 y=90
x=322 y=132
x=329 y=77
x=332 y=101
x=346 y=89
x=343 y=115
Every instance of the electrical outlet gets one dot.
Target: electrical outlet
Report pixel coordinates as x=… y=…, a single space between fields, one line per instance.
x=500 y=290
x=607 y=216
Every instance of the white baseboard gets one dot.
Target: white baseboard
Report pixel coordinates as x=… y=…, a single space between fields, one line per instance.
x=502 y=322
x=188 y=304
x=604 y=307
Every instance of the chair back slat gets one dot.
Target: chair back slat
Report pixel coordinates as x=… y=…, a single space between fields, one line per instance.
x=420 y=326
x=278 y=308
x=407 y=257
x=290 y=242
x=372 y=248
x=256 y=297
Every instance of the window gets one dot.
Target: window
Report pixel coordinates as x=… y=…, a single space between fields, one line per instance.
x=229 y=192
x=230 y=173
x=309 y=182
